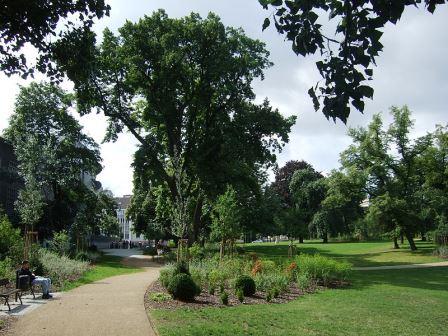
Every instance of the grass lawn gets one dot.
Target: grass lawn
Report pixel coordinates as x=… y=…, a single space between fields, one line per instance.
x=392 y=302
x=358 y=254
x=106 y=267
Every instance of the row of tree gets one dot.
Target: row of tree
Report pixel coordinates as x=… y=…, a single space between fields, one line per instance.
x=57 y=164
x=388 y=184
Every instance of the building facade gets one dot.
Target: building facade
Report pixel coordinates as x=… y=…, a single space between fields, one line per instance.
x=10 y=181
x=126 y=225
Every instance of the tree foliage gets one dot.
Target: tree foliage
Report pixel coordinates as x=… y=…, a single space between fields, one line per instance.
x=348 y=55
x=183 y=88
x=36 y=23
x=53 y=155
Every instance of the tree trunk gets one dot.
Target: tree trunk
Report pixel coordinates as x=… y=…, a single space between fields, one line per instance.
x=325 y=238
x=301 y=239
x=410 y=239
x=396 y=246
x=401 y=238
x=423 y=236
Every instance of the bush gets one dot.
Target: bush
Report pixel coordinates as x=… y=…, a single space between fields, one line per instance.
x=87 y=256
x=323 y=269
x=441 y=252
x=171 y=244
x=61 y=268
x=269 y=296
x=166 y=275
x=60 y=243
x=265 y=282
x=196 y=252
x=246 y=284
x=181 y=267
x=224 y=297
x=304 y=281
x=11 y=243
x=7 y=269
x=183 y=287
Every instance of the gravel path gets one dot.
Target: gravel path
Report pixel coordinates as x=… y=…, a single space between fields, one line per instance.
x=112 y=306
x=377 y=268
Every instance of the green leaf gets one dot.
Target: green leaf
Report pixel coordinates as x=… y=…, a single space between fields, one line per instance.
x=266 y=23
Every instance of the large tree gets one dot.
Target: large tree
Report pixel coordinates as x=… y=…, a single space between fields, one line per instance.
x=308 y=189
x=183 y=88
x=391 y=162
x=39 y=23
x=51 y=149
x=348 y=43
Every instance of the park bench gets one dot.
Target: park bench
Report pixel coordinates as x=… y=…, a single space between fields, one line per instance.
x=6 y=290
x=23 y=284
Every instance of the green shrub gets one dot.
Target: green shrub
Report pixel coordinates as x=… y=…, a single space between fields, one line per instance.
x=264 y=282
x=60 y=243
x=224 y=297
x=7 y=269
x=196 y=252
x=246 y=284
x=240 y=295
x=166 y=274
x=269 y=296
x=82 y=255
x=61 y=268
x=183 y=287
x=11 y=242
x=323 y=269
x=181 y=267
x=275 y=292
x=171 y=244
x=211 y=290
x=304 y=281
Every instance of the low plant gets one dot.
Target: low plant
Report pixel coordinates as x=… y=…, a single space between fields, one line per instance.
x=304 y=281
x=264 y=282
x=246 y=284
x=60 y=243
x=166 y=274
x=61 y=268
x=240 y=295
x=275 y=292
x=224 y=297
x=181 y=267
x=159 y=297
x=211 y=290
x=323 y=269
x=183 y=287
x=196 y=252
x=269 y=296
x=441 y=251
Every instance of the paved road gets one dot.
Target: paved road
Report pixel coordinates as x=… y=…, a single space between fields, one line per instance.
x=377 y=268
x=112 y=306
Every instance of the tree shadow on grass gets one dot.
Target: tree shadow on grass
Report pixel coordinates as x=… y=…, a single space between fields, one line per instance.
x=435 y=278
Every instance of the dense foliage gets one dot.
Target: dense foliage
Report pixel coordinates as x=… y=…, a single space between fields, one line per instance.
x=37 y=23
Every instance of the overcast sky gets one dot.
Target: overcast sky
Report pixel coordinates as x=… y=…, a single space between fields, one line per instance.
x=412 y=70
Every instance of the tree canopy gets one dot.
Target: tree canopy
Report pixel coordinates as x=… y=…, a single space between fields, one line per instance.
x=183 y=88
x=37 y=23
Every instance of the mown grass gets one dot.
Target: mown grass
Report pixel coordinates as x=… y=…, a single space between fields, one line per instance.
x=358 y=254
x=392 y=302
x=105 y=267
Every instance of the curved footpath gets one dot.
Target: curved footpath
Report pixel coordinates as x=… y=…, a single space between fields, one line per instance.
x=112 y=306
